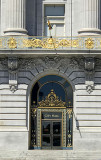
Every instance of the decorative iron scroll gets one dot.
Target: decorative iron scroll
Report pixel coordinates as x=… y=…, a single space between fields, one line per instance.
x=27 y=42
x=52 y=100
x=33 y=127
x=69 y=127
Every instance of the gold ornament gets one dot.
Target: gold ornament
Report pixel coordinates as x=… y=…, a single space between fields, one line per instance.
x=50 y=43
x=69 y=136
x=89 y=43
x=69 y=112
x=52 y=100
x=12 y=43
x=65 y=43
x=27 y=43
x=36 y=43
x=69 y=145
x=75 y=43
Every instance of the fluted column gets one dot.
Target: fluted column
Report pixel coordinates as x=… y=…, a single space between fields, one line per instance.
x=15 y=17
x=91 y=18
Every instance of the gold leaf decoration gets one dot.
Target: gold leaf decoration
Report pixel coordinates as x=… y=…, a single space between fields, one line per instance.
x=69 y=112
x=65 y=43
x=27 y=43
x=36 y=43
x=12 y=43
x=69 y=136
x=50 y=43
x=69 y=145
x=75 y=43
x=0 y=43
x=89 y=43
x=52 y=100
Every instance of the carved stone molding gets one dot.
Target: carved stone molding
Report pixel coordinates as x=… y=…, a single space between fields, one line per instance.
x=12 y=65
x=13 y=73
x=4 y=63
x=90 y=88
x=89 y=73
x=50 y=62
x=13 y=87
x=60 y=63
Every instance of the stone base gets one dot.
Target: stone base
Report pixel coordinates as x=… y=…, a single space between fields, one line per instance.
x=15 y=31
x=89 y=32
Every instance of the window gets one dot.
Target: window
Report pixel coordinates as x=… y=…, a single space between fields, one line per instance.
x=56 y=15
x=60 y=86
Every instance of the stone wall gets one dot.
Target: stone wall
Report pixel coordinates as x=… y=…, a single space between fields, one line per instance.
x=15 y=104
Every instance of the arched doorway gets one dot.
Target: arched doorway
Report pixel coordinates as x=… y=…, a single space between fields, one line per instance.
x=51 y=114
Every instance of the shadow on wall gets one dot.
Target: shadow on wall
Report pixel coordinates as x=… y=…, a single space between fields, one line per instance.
x=34 y=17
x=100 y=14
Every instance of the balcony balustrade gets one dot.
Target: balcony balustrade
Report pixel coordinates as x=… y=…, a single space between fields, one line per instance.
x=47 y=43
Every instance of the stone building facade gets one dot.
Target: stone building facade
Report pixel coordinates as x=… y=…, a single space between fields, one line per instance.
x=50 y=80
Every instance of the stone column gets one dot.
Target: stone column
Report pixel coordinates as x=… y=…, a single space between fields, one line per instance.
x=15 y=17
x=91 y=18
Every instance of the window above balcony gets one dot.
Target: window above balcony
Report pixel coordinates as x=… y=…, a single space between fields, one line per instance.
x=54 y=13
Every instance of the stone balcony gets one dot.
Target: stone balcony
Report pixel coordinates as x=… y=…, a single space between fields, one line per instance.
x=46 y=45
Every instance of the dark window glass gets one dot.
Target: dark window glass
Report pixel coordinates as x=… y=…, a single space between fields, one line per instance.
x=69 y=92
x=56 y=140
x=46 y=89
x=45 y=141
x=46 y=128
x=54 y=10
x=50 y=78
x=34 y=93
x=56 y=127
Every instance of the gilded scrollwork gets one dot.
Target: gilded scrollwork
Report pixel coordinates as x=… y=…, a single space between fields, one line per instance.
x=52 y=100
x=65 y=43
x=50 y=42
x=0 y=43
x=27 y=43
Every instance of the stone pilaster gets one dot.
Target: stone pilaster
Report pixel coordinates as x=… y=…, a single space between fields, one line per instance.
x=15 y=17
x=91 y=18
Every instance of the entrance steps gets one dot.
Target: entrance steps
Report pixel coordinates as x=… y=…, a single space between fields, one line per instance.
x=50 y=155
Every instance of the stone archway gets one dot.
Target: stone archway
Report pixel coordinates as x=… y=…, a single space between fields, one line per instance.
x=61 y=93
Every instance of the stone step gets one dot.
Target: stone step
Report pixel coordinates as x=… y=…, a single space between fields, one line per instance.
x=49 y=155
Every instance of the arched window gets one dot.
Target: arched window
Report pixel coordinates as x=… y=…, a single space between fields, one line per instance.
x=60 y=86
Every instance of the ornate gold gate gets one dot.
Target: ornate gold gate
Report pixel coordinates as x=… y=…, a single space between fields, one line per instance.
x=51 y=124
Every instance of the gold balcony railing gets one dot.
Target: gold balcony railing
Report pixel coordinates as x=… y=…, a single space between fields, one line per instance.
x=28 y=42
